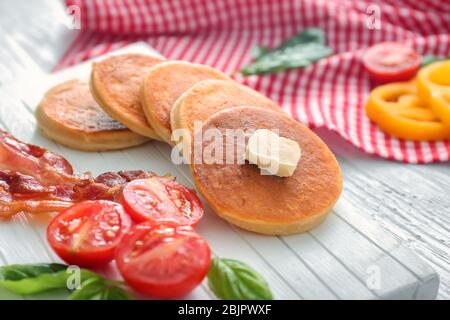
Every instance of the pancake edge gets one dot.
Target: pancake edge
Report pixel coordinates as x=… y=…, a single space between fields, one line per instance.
x=110 y=107
x=77 y=139
x=269 y=227
x=163 y=133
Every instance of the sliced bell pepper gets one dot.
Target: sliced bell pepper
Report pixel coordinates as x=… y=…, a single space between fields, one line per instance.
x=433 y=83
x=440 y=104
x=433 y=78
x=398 y=110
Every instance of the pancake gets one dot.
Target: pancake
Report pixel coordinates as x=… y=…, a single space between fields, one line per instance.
x=210 y=96
x=115 y=84
x=269 y=204
x=164 y=84
x=69 y=115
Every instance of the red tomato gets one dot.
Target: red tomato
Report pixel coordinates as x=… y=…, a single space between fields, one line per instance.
x=163 y=261
x=87 y=233
x=391 y=61
x=161 y=201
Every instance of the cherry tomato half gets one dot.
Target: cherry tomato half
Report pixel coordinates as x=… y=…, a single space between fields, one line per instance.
x=161 y=201
x=391 y=61
x=163 y=261
x=87 y=233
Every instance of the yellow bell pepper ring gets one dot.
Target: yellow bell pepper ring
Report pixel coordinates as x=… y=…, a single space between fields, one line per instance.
x=397 y=110
x=433 y=78
x=440 y=104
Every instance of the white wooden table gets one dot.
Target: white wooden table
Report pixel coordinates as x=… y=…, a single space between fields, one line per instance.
x=411 y=202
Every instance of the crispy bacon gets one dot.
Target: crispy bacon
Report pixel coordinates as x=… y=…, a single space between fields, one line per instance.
x=8 y=209
x=43 y=165
x=19 y=192
x=18 y=185
x=107 y=186
x=35 y=180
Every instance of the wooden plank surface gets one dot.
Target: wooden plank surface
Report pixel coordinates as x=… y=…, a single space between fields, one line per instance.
x=409 y=201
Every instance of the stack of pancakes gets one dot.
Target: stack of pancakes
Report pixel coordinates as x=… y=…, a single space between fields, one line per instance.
x=132 y=98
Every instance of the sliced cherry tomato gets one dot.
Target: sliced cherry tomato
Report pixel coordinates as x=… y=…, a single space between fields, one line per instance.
x=161 y=201
x=391 y=61
x=87 y=233
x=163 y=261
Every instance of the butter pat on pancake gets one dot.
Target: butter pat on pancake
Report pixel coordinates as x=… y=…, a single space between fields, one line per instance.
x=69 y=115
x=274 y=154
x=210 y=96
x=164 y=84
x=115 y=84
x=268 y=204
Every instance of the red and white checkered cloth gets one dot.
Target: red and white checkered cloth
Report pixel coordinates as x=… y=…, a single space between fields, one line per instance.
x=220 y=33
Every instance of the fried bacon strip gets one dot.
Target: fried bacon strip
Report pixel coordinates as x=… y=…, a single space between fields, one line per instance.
x=45 y=166
x=107 y=186
x=35 y=180
x=20 y=192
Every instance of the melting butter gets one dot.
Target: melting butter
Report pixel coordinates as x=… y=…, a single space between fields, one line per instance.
x=273 y=154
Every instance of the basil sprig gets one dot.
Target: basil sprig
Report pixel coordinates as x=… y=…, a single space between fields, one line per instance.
x=431 y=58
x=227 y=278
x=299 y=51
x=99 y=288
x=234 y=280
x=30 y=279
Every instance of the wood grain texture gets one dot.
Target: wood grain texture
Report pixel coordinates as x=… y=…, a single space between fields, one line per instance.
x=411 y=202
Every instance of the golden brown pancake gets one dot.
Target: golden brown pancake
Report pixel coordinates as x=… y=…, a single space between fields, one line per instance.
x=115 y=84
x=69 y=115
x=210 y=96
x=164 y=84
x=269 y=204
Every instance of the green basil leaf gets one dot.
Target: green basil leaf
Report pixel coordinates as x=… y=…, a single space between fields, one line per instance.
x=257 y=52
x=297 y=52
x=33 y=278
x=28 y=279
x=100 y=289
x=309 y=35
x=234 y=280
x=265 y=67
x=16 y=272
x=430 y=58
